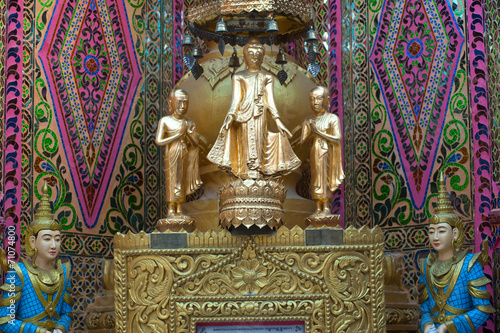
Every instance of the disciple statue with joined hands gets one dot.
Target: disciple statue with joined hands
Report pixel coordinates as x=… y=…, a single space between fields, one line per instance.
x=181 y=163
x=245 y=148
x=323 y=130
x=37 y=293
x=452 y=284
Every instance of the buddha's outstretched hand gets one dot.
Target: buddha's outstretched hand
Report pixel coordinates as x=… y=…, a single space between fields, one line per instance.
x=227 y=122
x=283 y=130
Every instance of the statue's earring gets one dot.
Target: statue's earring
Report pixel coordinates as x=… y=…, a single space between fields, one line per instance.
x=431 y=254
x=35 y=252
x=455 y=248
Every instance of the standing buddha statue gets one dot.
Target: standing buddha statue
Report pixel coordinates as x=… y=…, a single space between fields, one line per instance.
x=37 y=293
x=245 y=148
x=452 y=284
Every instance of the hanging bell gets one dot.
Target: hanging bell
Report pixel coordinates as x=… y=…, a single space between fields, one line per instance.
x=272 y=27
x=197 y=53
x=221 y=26
x=234 y=62
x=311 y=36
x=188 y=41
x=315 y=48
x=281 y=57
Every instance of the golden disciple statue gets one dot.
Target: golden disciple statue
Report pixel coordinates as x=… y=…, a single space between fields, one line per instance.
x=452 y=284
x=244 y=147
x=37 y=293
x=181 y=163
x=323 y=129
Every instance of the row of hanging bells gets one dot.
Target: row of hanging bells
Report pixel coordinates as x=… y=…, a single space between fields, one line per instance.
x=191 y=59
x=191 y=62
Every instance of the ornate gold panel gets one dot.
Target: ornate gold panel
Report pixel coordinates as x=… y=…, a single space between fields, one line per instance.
x=220 y=278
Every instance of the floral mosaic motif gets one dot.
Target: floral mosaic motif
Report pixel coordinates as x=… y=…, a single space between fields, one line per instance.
x=91 y=63
x=414 y=52
x=89 y=60
x=415 y=57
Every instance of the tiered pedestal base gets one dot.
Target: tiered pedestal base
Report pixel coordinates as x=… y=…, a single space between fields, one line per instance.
x=176 y=224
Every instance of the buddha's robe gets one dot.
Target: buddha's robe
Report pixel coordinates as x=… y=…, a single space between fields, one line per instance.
x=326 y=156
x=181 y=160
x=247 y=149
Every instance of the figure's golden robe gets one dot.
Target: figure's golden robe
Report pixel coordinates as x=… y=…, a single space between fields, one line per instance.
x=246 y=149
x=326 y=156
x=181 y=160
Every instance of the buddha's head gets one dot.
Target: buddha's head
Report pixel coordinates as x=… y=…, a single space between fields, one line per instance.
x=319 y=98
x=43 y=236
x=178 y=102
x=446 y=230
x=253 y=53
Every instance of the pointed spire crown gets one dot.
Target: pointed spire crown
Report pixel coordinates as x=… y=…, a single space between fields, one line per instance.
x=444 y=203
x=444 y=212
x=44 y=218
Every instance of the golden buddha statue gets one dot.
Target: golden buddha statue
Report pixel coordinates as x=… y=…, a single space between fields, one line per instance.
x=37 y=293
x=244 y=147
x=452 y=284
x=323 y=130
x=181 y=163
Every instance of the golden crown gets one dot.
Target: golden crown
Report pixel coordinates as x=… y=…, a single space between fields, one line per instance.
x=444 y=211
x=44 y=218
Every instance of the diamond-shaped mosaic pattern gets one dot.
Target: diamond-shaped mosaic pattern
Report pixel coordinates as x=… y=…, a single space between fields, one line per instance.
x=415 y=55
x=89 y=59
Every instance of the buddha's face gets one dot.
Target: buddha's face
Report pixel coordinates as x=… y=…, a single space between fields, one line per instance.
x=254 y=56
x=180 y=103
x=441 y=236
x=318 y=100
x=47 y=243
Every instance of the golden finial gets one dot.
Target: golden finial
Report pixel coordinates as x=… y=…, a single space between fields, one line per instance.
x=44 y=212
x=444 y=204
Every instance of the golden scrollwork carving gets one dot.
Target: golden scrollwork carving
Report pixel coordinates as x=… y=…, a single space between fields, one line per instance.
x=101 y=320
x=332 y=288
x=402 y=316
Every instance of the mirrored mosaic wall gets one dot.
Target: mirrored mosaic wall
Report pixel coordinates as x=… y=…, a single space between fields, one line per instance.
x=91 y=89
x=94 y=77
x=409 y=112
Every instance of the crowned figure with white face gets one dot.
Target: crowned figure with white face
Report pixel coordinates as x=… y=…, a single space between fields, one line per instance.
x=452 y=284
x=37 y=293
